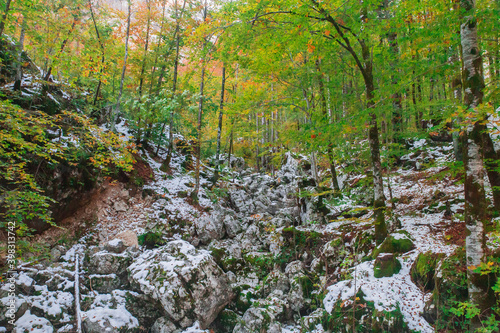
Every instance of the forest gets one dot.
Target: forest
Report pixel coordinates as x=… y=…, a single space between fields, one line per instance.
x=249 y=166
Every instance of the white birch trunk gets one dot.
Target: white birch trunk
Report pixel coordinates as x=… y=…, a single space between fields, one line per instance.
x=475 y=201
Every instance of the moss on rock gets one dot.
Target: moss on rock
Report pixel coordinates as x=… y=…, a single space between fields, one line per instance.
x=424 y=268
x=396 y=243
x=225 y=321
x=386 y=264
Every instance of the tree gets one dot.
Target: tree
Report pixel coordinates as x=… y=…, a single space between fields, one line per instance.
x=124 y=68
x=475 y=200
x=219 y=127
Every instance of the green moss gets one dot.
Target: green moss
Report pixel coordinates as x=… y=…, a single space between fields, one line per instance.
x=225 y=321
x=423 y=269
x=306 y=283
x=387 y=267
x=225 y=261
x=297 y=242
x=243 y=300
x=394 y=245
x=261 y=262
x=151 y=239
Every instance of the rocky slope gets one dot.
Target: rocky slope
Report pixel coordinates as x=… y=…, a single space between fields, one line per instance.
x=258 y=254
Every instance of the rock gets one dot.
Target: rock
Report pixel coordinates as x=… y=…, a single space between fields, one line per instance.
x=187 y=282
x=232 y=226
x=143 y=307
x=316 y=265
x=295 y=296
x=129 y=238
x=120 y=206
x=386 y=265
x=210 y=227
x=105 y=263
x=294 y=268
x=334 y=253
x=56 y=279
x=397 y=243
x=101 y=319
x=52 y=305
x=424 y=268
x=430 y=312
x=103 y=284
x=225 y=260
x=265 y=317
x=163 y=325
x=310 y=321
x=32 y=323
x=56 y=253
x=274 y=328
x=250 y=239
x=19 y=309
x=116 y=246
x=255 y=320
x=276 y=280
x=226 y=321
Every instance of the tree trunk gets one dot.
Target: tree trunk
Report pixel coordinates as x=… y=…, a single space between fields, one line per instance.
x=365 y=65
x=373 y=140
x=491 y=163
x=333 y=171
x=117 y=107
x=475 y=201
x=327 y=114
x=397 y=109
x=230 y=151
x=219 y=127
x=97 y=91
x=456 y=85
x=194 y=195
x=19 y=68
x=153 y=70
x=63 y=45
x=4 y=17
x=143 y=70
x=257 y=158
x=166 y=163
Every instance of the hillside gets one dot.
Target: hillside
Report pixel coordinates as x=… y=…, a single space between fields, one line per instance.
x=252 y=256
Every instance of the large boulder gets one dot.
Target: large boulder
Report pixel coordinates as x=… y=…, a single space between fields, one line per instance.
x=209 y=227
x=163 y=325
x=187 y=282
x=397 y=243
x=104 y=319
x=129 y=238
x=118 y=311
x=386 y=265
x=264 y=316
x=32 y=323
x=55 y=306
x=424 y=268
x=103 y=262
